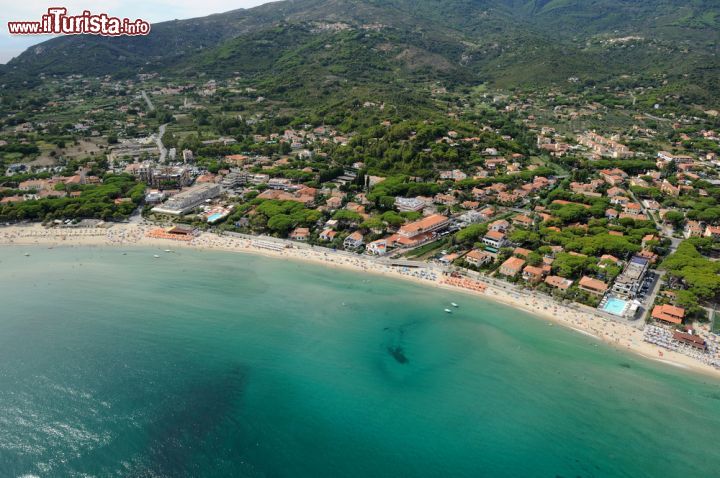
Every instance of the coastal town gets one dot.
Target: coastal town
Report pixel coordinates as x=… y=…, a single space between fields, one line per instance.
x=360 y=238
x=523 y=195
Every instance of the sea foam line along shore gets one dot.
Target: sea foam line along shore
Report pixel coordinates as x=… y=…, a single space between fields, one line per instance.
x=583 y=320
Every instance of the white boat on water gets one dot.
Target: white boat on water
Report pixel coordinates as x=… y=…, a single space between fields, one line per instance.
x=155 y=256
x=454 y=304
x=27 y=254
x=168 y=250
x=448 y=311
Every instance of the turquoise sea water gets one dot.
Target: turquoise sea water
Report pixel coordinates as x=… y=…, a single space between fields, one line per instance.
x=214 y=364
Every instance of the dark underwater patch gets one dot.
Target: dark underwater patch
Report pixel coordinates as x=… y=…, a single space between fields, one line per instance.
x=189 y=423
x=398 y=353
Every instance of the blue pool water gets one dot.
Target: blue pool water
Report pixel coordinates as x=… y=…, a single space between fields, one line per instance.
x=615 y=306
x=215 y=217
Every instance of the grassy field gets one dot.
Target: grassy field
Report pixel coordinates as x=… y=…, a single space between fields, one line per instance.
x=428 y=250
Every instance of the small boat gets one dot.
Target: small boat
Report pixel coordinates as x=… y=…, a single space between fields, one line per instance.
x=454 y=304
x=448 y=311
x=155 y=256
x=27 y=254
x=168 y=250
x=124 y=253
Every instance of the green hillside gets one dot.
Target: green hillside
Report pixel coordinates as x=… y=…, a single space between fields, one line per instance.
x=313 y=45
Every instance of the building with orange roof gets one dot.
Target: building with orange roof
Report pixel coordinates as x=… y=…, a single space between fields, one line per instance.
x=478 y=258
x=594 y=286
x=532 y=274
x=512 y=266
x=300 y=234
x=378 y=247
x=236 y=159
x=521 y=252
x=500 y=225
x=558 y=282
x=668 y=313
x=712 y=231
x=495 y=239
x=522 y=220
x=328 y=235
x=354 y=240
x=433 y=223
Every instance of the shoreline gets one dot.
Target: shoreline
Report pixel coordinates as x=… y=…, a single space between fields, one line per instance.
x=592 y=325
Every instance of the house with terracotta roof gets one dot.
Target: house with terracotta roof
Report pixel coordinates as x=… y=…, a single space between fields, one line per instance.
x=605 y=258
x=35 y=184
x=478 y=193
x=433 y=223
x=532 y=274
x=512 y=266
x=495 y=239
x=693 y=229
x=354 y=207
x=508 y=198
x=501 y=225
x=649 y=255
x=634 y=217
x=377 y=248
x=647 y=239
x=333 y=203
x=492 y=164
x=280 y=195
x=619 y=200
x=558 y=282
x=712 y=231
x=594 y=286
x=615 y=191
x=446 y=199
x=448 y=259
x=668 y=313
x=479 y=258
x=328 y=235
x=522 y=220
x=668 y=188
x=300 y=234
x=521 y=252
x=632 y=208
x=11 y=199
x=353 y=241
x=488 y=212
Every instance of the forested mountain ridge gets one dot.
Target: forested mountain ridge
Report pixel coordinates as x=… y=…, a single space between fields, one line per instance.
x=508 y=43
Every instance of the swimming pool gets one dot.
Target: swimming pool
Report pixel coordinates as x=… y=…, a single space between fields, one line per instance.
x=215 y=217
x=615 y=306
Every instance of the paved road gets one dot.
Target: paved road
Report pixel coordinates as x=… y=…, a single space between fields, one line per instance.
x=666 y=232
x=644 y=210
x=656 y=118
x=150 y=105
x=161 y=132
x=160 y=145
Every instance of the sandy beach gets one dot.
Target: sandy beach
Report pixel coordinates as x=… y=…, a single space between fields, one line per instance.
x=581 y=319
